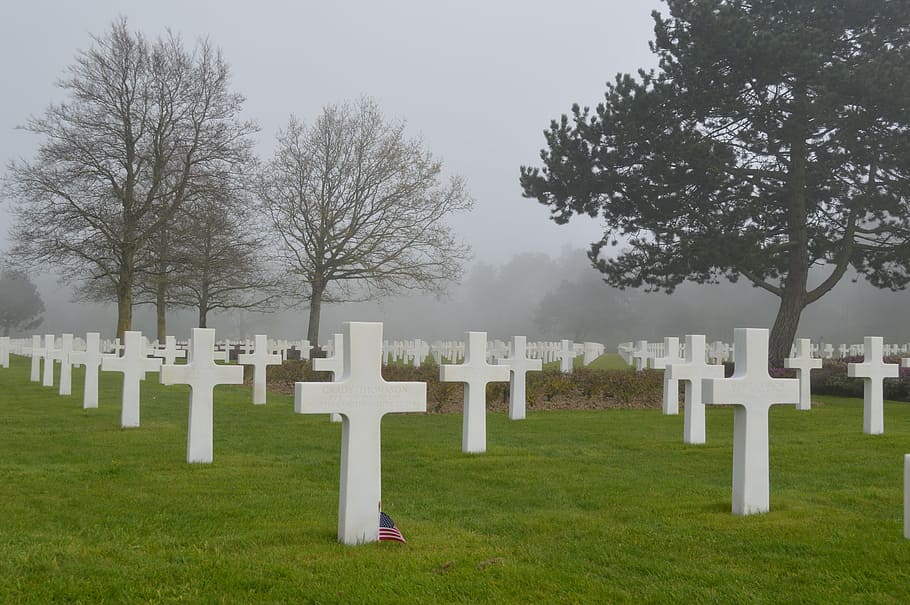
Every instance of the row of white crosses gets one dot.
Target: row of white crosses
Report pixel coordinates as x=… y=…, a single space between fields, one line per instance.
x=752 y=391
x=361 y=397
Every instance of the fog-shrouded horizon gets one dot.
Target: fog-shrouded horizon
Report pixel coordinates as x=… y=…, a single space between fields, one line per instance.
x=541 y=296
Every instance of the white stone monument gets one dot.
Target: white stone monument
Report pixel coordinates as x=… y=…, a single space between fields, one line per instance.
x=803 y=363
x=37 y=355
x=873 y=370
x=475 y=373
x=134 y=365
x=66 y=368
x=692 y=370
x=671 y=355
x=519 y=365
x=362 y=397
x=640 y=355
x=50 y=354
x=169 y=353
x=907 y=496
x=90 y=358
x=752 y=391
x=566 y=357
x=334 y=364
x=260 y=359
x=4 y=351
x=202 y=374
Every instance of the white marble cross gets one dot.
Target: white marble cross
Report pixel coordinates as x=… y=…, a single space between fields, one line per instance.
x=90 y=358
x=907 y=496
x=415 y=352
x=50 y=354
x=362 y=397
x=260 y=359
x=671 y=385
x=692 y=370
x=66 y=367
x=475 y=373
x=640 y=355
x=4 y=351
x=202 y=374
x=519 y=365
x=873 y=370
x=804 y=363
x=752 y=391
x=169 y=353
x=566 y=356
x=37 y=355
x=134 y=365
x=334 y=364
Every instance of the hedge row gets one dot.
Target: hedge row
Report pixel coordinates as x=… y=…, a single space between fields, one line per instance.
x=583 y=389
x=549 y=389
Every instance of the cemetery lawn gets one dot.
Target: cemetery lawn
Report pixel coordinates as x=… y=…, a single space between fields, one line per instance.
x=564 y=507
x=607 y=361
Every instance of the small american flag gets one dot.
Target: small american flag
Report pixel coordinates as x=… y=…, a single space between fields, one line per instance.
x=388 y=530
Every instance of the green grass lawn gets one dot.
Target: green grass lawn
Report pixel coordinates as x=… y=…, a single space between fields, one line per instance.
x=565 y=507
x=607 y=361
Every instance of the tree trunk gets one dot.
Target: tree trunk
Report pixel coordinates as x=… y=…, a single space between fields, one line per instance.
x=124 y=302
x=161 y=285
x=793 y=294
x=783 y=332
x=315 y=309
x=203 y=303
x=161 y=310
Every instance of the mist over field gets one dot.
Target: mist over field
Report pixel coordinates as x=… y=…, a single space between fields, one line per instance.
x=544 y=297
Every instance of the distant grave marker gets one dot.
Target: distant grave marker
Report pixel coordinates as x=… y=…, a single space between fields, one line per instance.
x=873 y=370
x=803 y=363
x=202 y=374
x=566 y=356
x=169 y=353
x=134 y=365
x=519 y=365
x=37 y=355
x=670 y=405
x=90 y=358
x=50 y=354
x=475 y=373
x=907 y=496
x=640 y=355
x=362 y=397
x=260 y=359
x=4 y=351
x=692 y=370
x=66 y=368
x=752 y=391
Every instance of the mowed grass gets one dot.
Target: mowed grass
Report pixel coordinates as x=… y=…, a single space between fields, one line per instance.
x=564 y=507
x=607 y=361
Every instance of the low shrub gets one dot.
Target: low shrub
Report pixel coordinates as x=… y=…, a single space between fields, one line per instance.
x=832 y=379
x=549 y=389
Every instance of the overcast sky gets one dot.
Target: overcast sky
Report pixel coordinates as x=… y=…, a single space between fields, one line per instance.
x=477 y=80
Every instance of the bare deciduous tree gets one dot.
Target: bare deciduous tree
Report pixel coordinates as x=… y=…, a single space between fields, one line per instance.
x=219 y=261
x=144 y=128
x=359 y=209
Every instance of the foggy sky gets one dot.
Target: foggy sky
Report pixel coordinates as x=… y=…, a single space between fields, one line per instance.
x=479 y=81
